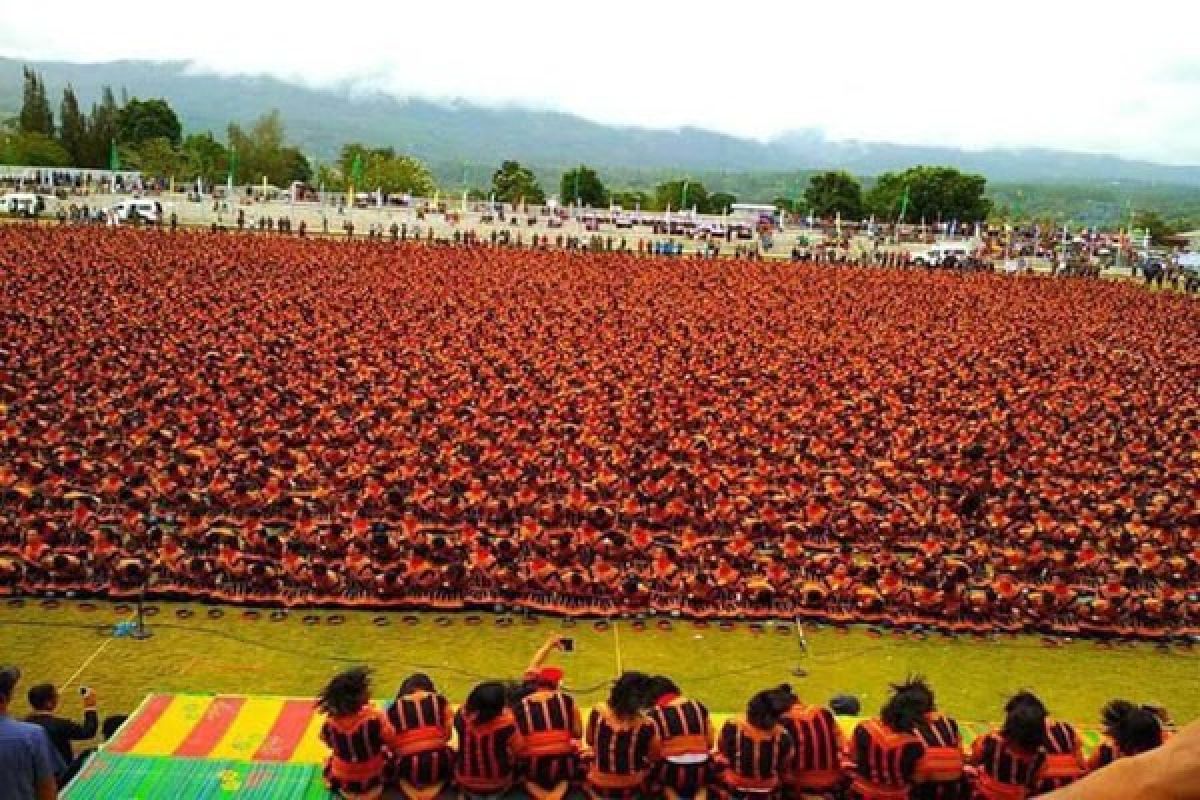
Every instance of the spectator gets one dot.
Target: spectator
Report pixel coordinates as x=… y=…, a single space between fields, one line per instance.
x=939 y=774
x=623 y=742
x=886 y=750
x=1129 y=730
x=421 y=720
x=488 y=742
x=357 y=733
x=550 y=726
x=1170 y=772
x=754 y=750
x=43 y=699
x=685 y=740
x=1008 y=761
x=28 y=761
x=817 y=768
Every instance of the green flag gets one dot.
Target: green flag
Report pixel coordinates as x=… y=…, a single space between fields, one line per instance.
x=356 y=171
x=114 y=160
x=904 y=203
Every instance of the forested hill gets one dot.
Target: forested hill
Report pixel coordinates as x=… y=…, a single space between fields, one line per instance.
x=321 y=121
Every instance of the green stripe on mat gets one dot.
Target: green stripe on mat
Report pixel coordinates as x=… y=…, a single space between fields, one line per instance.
x=110 y=776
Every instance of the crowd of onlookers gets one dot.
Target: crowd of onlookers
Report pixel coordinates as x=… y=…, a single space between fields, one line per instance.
x=275 y=421
x=649 y=739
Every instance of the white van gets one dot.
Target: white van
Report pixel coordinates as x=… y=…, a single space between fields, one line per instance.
x=141 y=208
x=937 y=254
x=23 y=204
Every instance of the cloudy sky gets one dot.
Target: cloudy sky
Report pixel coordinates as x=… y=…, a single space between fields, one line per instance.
x=1096 y=76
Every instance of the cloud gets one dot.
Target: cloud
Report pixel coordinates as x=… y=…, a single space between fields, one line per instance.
x=1098 y=77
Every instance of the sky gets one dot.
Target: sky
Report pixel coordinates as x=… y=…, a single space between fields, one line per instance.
x=1099 y=76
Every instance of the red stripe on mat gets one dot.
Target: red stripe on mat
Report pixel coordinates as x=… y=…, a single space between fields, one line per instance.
x=211 y=727
x=139 y=726
x=287 y=731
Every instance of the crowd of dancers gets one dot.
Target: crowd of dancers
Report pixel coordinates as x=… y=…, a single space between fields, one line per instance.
x=283 y=421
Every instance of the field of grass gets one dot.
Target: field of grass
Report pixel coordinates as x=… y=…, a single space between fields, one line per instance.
x=232 y=655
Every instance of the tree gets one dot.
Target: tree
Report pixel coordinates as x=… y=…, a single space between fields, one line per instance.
x=583 y=187
x=101 y=130
x=156 y=158
x=142 y=120
x=834 y=192
x=205 y=158
x=681 y=195
x=383 y=169
x=719 y=203
x=35 y=150
x=261 y=151
x=1153 y=223
x=631 y=199
x=35 y=116
x=73 y=130
x=295 y=166
x=933 y=192
x=514 y=184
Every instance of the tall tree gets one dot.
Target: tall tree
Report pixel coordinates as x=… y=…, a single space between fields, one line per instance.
x=35 y=116
x=35 y=150
x=156 y=158
x=141 y=120
x=932 y=193
x=101 y=130
x=514 y=184
x=834 y=192
x=73 y=127
x=259 y=150
x=582 y=186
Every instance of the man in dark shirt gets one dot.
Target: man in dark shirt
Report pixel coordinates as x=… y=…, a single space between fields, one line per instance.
x=43 y=699
x=27 y=760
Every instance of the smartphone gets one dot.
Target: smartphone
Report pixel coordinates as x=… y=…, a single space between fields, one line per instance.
x=567 y=645
x=83 y=690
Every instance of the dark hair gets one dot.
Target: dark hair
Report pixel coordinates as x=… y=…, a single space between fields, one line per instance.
x=346 y=693
x=487 y=700
x=629 y=694
x=903 y=711
x=660 y=685
x=1025 y=723
x=417 y=682
x=918 y=689
x=765 y=708
x=1135 y=729
x=42 y=696
x=1025 y=698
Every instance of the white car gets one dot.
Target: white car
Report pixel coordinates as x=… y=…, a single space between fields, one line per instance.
x=937 y=255
x=24 y=204
x=142 y=209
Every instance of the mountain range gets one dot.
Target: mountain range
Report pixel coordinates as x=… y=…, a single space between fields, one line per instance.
x=320 y=121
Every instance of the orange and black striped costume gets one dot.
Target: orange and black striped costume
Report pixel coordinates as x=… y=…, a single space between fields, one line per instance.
x=685 y=740
x=817 y=765
x=1004 y=772
x=621 y=751
x=752 y=761
x=422 y=724
x=359 y=757
x=550 y=727
x=884 y=762
x=487 y=753
x=939 y=772
x=1064 y=762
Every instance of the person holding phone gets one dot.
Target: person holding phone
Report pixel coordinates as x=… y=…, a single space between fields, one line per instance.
x=44 y=700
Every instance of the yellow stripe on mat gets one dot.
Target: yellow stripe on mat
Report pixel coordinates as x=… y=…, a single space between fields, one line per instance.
x=249 y=729
x=173 y=726
x=311 y=749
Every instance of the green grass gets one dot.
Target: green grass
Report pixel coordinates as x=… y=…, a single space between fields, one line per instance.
x=972 y=678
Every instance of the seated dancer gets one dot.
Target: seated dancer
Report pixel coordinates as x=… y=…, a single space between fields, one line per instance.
x=550 y=726
x=1128 y=731
x=685 y=741
x=622 y=743
x=753 y=750
x=358 y=735
x=488 y=743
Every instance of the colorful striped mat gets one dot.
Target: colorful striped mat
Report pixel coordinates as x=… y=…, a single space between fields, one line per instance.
x=269 y=730
x=111 y=776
